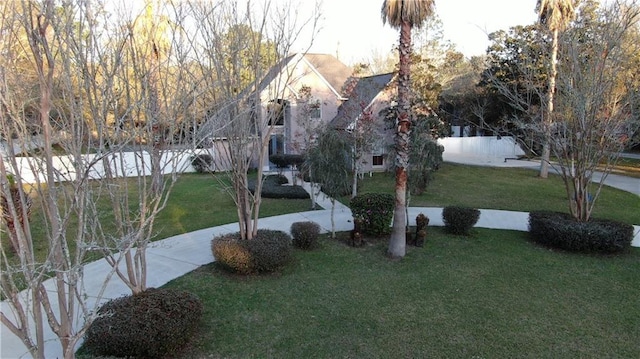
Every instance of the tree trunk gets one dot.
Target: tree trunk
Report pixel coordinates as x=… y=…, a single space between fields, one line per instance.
x=548 y=121
x=397 y=242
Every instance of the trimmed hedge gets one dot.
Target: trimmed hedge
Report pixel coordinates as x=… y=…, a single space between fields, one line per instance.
x=305 y=234
x=272 y=187
x=459 y=220
x=562 y=231
x=375 y=210
x=202 y=163
x=267 y=252
x=152 y=324
x=286 y=160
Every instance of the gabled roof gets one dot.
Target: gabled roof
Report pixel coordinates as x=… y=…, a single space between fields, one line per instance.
x=334 y=72
x=362 y=96
x=329 y=67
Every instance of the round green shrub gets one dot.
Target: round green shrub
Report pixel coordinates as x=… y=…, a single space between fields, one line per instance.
x=459 y=220
x=202 y=163
x=562 y=231
x=375 y=211
x=268 y=251
x=305 y=234
x=151 y=324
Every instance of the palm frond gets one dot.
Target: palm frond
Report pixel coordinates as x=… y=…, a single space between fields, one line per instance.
x=555 y=14
x=415 y=12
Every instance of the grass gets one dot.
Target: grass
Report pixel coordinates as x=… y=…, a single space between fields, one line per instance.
x=197 y=201
x=492 y=295
x=514 y=189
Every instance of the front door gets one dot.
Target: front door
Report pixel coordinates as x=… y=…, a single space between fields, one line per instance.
x=276 y=147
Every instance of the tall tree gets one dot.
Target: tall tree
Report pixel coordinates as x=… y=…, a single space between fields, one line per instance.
x=555 y=16
x=231 y=55
x=405 y=15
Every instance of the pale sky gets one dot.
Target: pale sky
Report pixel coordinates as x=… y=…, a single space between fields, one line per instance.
x=354 y=29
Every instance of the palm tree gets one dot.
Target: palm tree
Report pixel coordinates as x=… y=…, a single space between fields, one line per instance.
x=555 y=16
x=405 y=15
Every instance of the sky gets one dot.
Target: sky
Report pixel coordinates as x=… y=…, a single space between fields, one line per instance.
x=353 y=29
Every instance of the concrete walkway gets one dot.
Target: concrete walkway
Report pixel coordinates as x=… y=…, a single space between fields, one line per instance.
x=175 y=256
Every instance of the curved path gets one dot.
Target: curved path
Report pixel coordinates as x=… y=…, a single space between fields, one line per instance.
x=175 y=256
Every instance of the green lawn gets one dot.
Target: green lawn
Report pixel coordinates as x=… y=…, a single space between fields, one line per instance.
x=491 y=295
x=494 y=295
x=513 y=189
x=197 y=201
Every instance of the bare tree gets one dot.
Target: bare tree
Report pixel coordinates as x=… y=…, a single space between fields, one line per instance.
x=244 y=55
x=596 y=102
x=84 y=62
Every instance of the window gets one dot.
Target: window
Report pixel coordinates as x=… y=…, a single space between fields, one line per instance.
x=377 y=158
x=275 y=112
x=315 y=109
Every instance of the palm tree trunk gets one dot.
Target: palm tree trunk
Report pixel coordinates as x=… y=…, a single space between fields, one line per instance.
x=548 y=121
x=397 y=242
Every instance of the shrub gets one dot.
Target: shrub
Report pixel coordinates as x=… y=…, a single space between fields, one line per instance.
x=268 y=251
x=151 y=324
x=305 y=234
x=459 y=220
x=231 y=254
x=272 y=187
x=375 y=210
x=202 y=163
x=561 y=231
x=286 y=160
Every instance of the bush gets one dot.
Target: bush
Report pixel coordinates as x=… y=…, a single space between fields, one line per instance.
x=459 y=220
x=375 y=210
x=270 y=250
x=286 y=160
x=202 y=163
x=152 y=324
x=561 y=231
x=231 y=254
x=305 y=234
x=272 y=187
x=267 y=252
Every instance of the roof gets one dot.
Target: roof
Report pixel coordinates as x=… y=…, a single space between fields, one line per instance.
x=334 y=72
x=363 y=94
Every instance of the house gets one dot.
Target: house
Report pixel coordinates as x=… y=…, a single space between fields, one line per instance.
x=370 y=95
x=305 y=91
x=296 y=96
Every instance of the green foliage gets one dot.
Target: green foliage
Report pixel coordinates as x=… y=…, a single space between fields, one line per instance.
x=152 y=324
x=459 y=220
x=562 y=231
x=272 y=187
x=286 y=160
x=425 y=158
x=268 y=251
x=305 y=234
x=202 y=163
x=329 y=163
x=375 y=210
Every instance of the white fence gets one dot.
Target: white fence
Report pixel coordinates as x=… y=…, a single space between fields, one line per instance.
x=485 y=146
x=122 y=164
